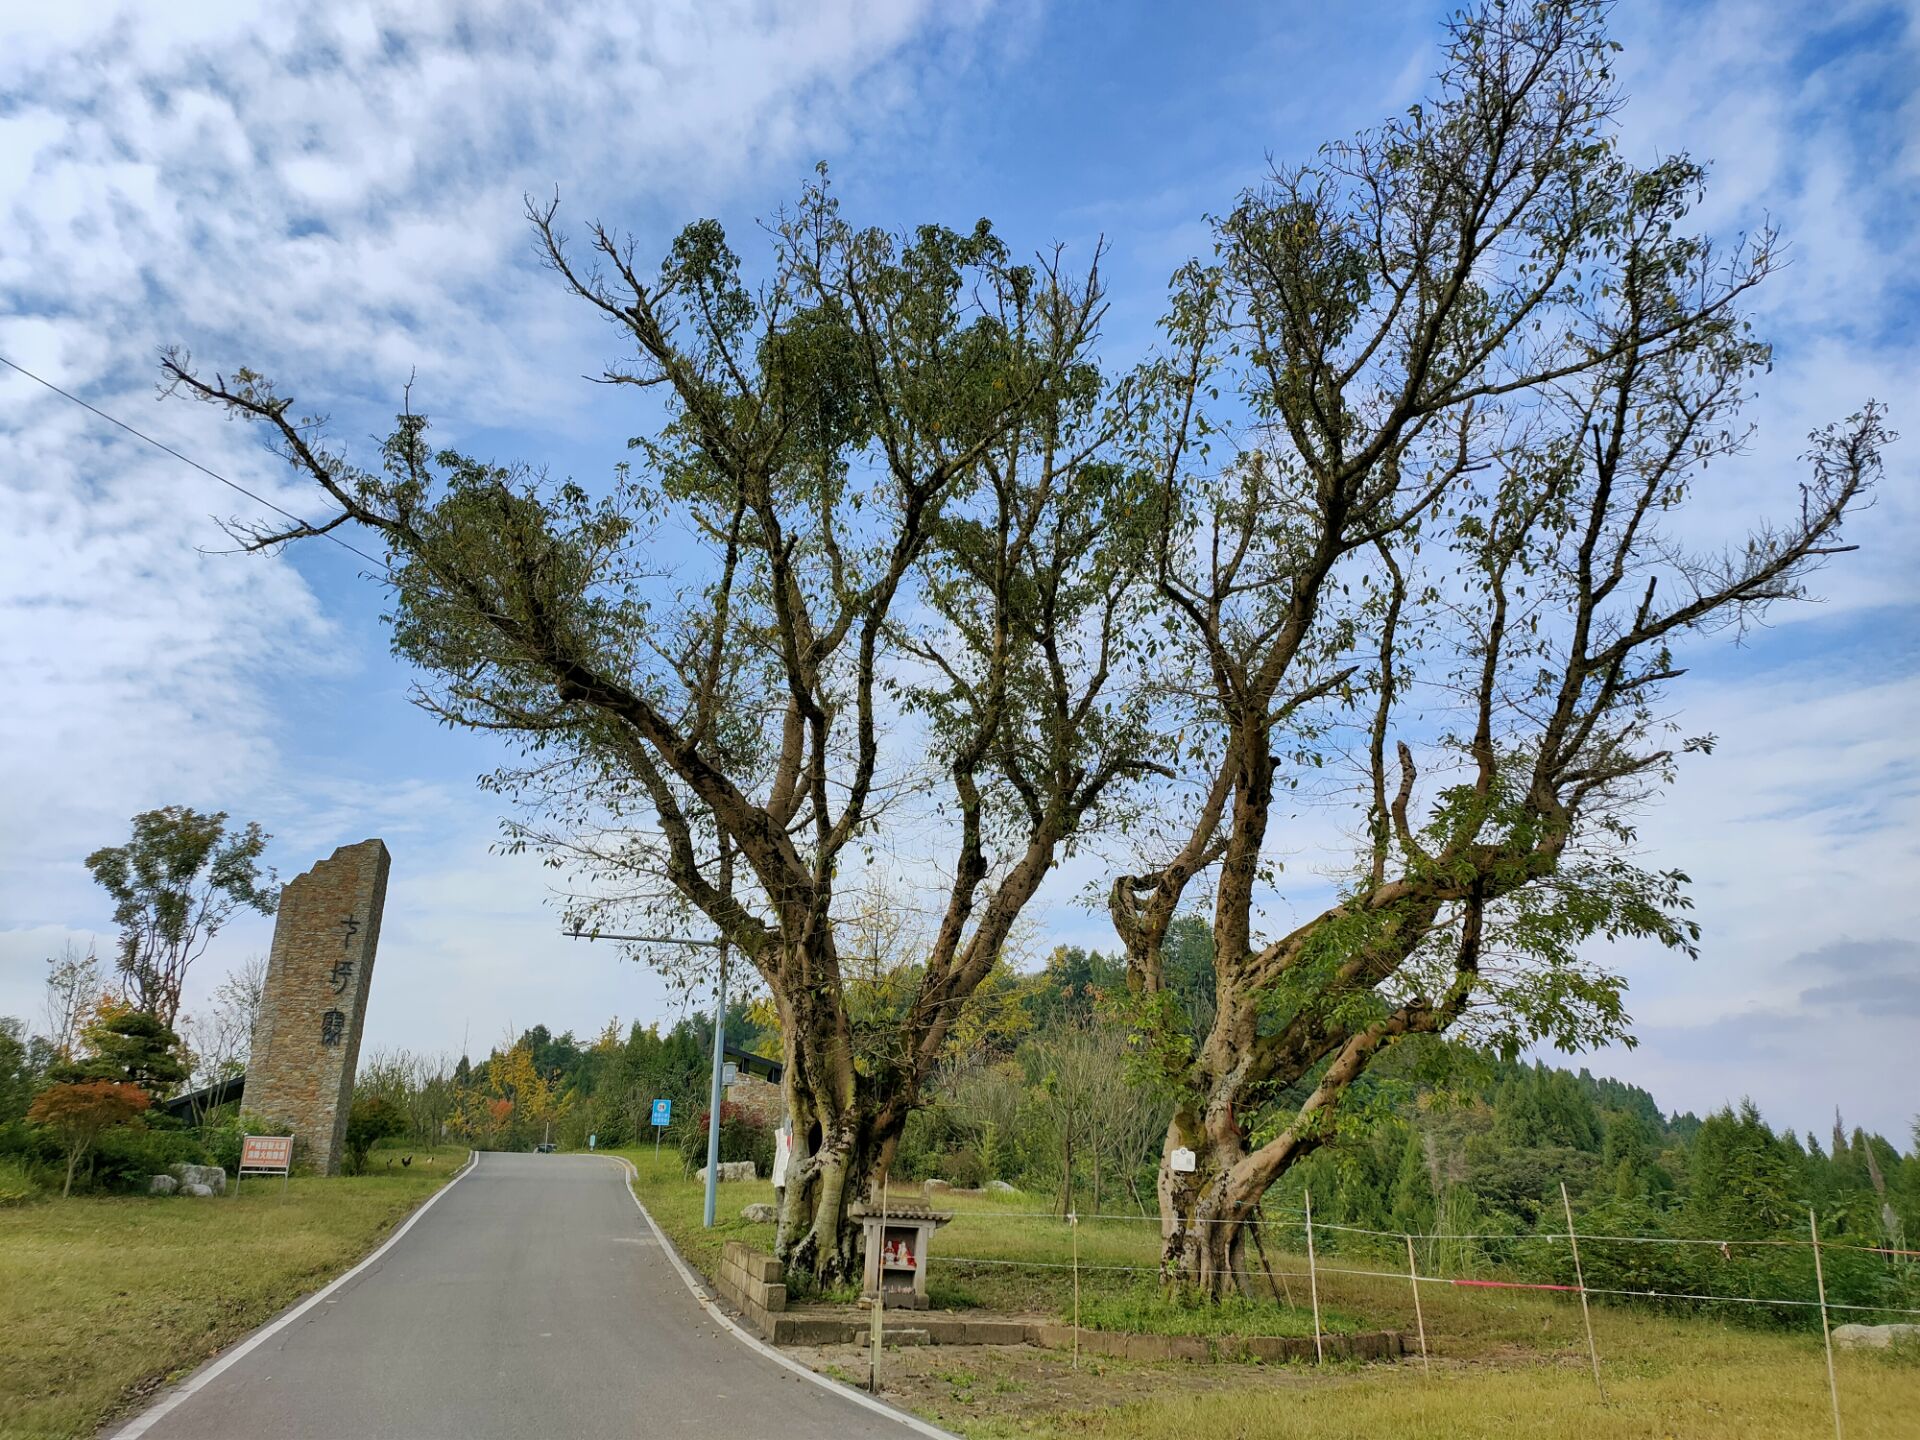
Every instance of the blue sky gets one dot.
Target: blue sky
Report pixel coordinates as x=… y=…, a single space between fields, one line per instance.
x=333 y=194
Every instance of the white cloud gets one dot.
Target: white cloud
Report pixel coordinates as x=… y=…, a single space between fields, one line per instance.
x=331 y=193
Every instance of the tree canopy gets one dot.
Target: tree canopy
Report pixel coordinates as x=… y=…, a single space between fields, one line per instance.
x=902 y=578
x=175 y=884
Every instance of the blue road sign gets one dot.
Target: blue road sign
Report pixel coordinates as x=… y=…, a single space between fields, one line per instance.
x=662 y=1113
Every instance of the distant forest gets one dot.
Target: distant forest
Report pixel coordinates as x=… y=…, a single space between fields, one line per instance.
x=1462 y=1149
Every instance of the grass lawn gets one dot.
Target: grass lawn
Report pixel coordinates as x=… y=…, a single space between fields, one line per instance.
x=103 y=1300
x=998 y=1254
x=1505 y=1363
x=1696 y=1380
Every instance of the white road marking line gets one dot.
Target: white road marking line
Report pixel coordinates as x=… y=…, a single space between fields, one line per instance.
x=146 y=1420
x=753 y=1341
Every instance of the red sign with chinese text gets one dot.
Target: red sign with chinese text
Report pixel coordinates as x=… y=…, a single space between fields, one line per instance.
x=266 y=1152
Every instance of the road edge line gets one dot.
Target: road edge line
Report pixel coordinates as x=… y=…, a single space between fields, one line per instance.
x=754 y=1342
x=187 y=1388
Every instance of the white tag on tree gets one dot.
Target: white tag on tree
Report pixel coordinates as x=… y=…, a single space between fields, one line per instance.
x=1181 y=1162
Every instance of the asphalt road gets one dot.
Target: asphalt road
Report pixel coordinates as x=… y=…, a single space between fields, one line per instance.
x=532 y=1300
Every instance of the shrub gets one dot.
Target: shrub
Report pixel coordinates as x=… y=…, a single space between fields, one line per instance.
x=18 y=1184
x=79 y=1113
x=742 y=1137
x=962 y=1167
x=370 y=1121
x=127 y=1157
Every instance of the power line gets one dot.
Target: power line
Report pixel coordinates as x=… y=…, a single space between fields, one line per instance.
x=189 y=460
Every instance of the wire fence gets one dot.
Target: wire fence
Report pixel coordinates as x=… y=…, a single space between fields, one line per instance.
x=1579 y=1266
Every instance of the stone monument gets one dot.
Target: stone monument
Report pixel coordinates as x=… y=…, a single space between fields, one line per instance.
x=306 y=1043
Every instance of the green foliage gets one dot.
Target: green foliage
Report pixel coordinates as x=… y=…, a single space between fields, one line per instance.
x=174 y=885
x=743 y=1136
x=135 y=1046
x=127 y=1157
x=370 y=1121
x=23 y=1063
x=79 y=1113
x=19 y=1184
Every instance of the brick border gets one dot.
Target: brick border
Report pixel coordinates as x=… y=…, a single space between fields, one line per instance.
x=749 y=1280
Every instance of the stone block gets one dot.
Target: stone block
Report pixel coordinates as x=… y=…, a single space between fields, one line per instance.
x=1875 y=1337
x=1195 y=1348
x=760 y=1213
x=193 y=1188
x=772 y=1297
x=816 y=1330
x=162 y=1185
x=211 y=1176
x=1131 y=1347
x=995 y=1332
x=730 y=1170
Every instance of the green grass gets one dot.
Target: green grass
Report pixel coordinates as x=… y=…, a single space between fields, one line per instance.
x=1505 y=1363
x=1664 y=1377
x=103 y=1299
x=1145 y=1311
x=999 y=1254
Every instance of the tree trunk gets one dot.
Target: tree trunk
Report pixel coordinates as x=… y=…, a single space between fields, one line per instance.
x=838 y=1146
x=1205 y=1213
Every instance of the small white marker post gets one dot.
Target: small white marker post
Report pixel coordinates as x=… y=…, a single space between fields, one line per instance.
x=1413 y=1279
x=1313 y=1281
x=879 y=1297
x=1580 y=1279
x=1073 y=1224
x=1820 y=1279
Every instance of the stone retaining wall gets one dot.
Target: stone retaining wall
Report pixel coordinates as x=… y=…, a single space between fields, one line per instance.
x=749 y=1280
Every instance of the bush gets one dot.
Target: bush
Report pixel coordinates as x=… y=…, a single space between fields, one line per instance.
x=370 y=1121
x=125 y=1158
x=18 y=1183
x=962 y=1167
x=742 y=1137
x=221 y=1142
x=27 y=1143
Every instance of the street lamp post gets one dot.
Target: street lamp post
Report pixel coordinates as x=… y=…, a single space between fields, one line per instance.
x=719 y=1041
x=713 y=1102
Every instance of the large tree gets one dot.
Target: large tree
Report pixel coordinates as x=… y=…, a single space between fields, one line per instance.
x=877 y=555
x=175 y=884
x=1483 y=367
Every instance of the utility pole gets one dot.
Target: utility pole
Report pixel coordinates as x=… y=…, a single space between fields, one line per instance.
x=719 y=1040
x=713 y=1102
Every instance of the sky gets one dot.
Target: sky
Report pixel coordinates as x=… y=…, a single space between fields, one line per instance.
x=334 y=194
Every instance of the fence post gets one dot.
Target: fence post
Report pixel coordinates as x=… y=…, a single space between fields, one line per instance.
x=1580 y=1279
x=1073 y=1224
x=1313 y=1282
x=1419 y=1319
x=1826 y=1334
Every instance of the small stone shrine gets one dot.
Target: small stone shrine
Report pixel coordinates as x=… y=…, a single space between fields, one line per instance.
x=306 y=1044
x=896 y=1246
